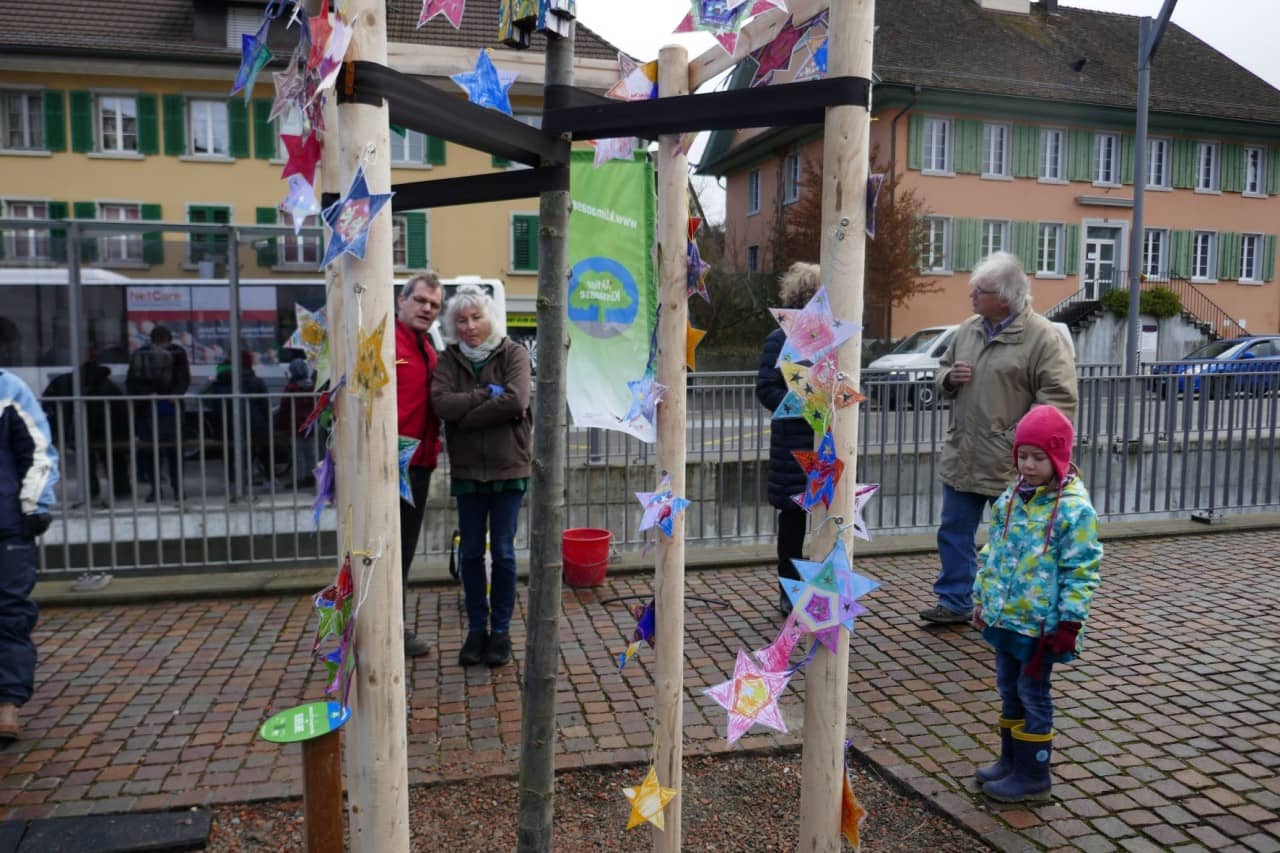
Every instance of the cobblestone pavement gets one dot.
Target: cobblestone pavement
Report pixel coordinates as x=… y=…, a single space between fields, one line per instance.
x=1168 y=729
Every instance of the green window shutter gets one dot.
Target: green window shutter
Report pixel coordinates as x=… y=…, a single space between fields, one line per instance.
x=1180 y=254
x=55 y=120
x=58 y=236
x=1072 y=249
x=81 y=122
x=1126 y=158
x=238 y=128
x=500 y=162
x=1184 y=163
x=1080 y=155
x=1228 y=256
x=267 y=254
x=264 y=135
x=416 y=239
x=1268 y=257
x=1231 y=168
x=435 y=151
x=524 y=243
x=1273 y=171
x=152 y=241
x=88 y=245
x=915 y=141
x=1026 y=151
x=148 y=125
x=965 y=238
x=967 y=157
x=175 y=125
x=1023 y=237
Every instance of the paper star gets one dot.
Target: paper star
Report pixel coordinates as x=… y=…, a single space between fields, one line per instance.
x=660 y=507
x=643 y=633
x=750 y=697
x=694 y=224
x=254 y=54
x=334 y=51
x=617 y=148
x=323 y=403
x=309 y=331
x=646 y=394
x=319 y=28
x=451 y=9
x=808 y=394
x=692 y=337
x=697 y=275
x=715 y=17
x=862 y=495
x=408 y=447
x=847 y=395
x=823 y=470
x=303 y=153
x=852 y=814
x=484 y=86
x=813 y=47
x=826 y=597
x=775 y=656
x=812 y=331
x=312 y=107
x=776 y=55
x=349 y=219
x=300 y=202
x=636 y=81
x=370 y=374
x=648 y=801
x=762 y=6
x=290 y=86
x=324 y=487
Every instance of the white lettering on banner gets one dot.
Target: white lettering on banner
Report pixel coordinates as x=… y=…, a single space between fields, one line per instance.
x=606 y=215
x=599 y=290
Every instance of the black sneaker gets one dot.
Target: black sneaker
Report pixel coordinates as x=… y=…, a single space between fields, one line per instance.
x=499 y=650
x=415 y=646
x=940 y=615
x=473 y=649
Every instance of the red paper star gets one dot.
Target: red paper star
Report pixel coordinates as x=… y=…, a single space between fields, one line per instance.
x=304 y=154
x=320 y=31
x=776 y=55
x=694 y=224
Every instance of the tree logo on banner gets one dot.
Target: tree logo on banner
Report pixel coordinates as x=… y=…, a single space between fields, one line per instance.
x=603 y=297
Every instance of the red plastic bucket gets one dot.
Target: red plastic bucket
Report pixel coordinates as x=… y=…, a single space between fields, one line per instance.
x=585 y=551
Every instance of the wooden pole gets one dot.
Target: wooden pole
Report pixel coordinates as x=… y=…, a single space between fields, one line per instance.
x=322 y=793
x=844 y=182
x=673 y=237
x=378 y=782
x=546 y=512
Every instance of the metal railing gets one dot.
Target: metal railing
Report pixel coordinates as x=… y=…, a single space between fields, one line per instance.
x=1196 y=306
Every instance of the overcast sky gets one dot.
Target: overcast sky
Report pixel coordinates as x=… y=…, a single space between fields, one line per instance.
x=1244 y=30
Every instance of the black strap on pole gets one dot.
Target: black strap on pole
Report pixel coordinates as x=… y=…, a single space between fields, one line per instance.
x=473 y=189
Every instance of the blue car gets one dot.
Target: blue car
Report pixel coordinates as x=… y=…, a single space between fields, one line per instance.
x=1241 y=365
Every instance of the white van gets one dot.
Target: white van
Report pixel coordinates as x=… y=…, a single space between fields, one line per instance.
x=916 y=359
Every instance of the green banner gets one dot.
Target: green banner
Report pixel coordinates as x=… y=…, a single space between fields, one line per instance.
x=612 y=294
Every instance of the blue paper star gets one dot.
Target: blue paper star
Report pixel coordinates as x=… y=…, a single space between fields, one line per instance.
x=349 y=219
x=485 y=87
x=826 y=598
x=408 y=447
x=254 y=54
x=646 y=393
x=661 y=507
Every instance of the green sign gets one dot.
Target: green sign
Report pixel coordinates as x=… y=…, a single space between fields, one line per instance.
x=305 y=722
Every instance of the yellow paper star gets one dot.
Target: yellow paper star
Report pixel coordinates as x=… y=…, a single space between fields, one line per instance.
x=852 y=814
x=648 y=801
x=692 y=337
x=370 y=373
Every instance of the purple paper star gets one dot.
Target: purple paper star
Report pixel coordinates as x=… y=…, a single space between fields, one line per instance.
x=484 y=86
x=660 y=507
x=324 y=487
x=697 y=275
x=750 y=697
x=349 y=219
x=254 y=54
x=451 y=9
x=826 y=597
x=646 y=393
x=776 y=55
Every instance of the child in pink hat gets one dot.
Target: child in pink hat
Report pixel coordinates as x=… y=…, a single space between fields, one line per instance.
x=1036 y=578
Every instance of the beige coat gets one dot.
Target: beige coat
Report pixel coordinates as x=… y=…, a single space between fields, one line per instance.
x=1027 y=363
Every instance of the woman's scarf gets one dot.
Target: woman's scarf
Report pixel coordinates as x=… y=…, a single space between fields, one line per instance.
x=481 y=352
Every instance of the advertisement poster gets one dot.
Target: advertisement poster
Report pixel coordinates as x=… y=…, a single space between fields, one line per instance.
x=200 y=320
x=612 y=292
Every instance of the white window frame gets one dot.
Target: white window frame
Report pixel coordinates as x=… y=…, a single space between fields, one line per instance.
x=995 y=237
x=1204 y=246
x=205 y=118
x=402 y=148
x=1050 y=237
x=117 y=140
x=302 y=250
x=1106 y=159
x=753 y=192
x=290 y=122
x=399 y=242
x=1158 y=167
x=1255 y=171
x=124 y=248
x=791 y=178
x=937 y=258
x=1208 y=167
x=1155 y=246
x=937 y=147
x=753 y=259
x=995 y=150
x=1251 y=258
x=30 y=120
x=35 y=242
x=1053 y=166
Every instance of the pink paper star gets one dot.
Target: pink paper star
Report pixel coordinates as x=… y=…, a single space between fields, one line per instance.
x=750 y=697
x=812 y=331
x=451 y=9
x=775 y=656
x=636 y=81
x=776 y=55
x=618 y=148
x=303 y=155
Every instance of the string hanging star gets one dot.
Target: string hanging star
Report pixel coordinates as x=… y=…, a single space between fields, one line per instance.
x=648 y=801
x=636 y=81
x=254 y=55
x=300 y=202
x=484 y=86
x=697 y=275
x=825 y=599
x=451 y=9
x=319 y=27
x=370 y=375
x=776 y=55
x=660 y=507
x=812 y=331
x=823 y=470
x=408 y=447
x=349 y=219
x=334 y=51
x=646 y=394
x=303 y=153
x=646 y=621
x=310 y=330
x=290 y=85
x=692 y=337
x=750 y=697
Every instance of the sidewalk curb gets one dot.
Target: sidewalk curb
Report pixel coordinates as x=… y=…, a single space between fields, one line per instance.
x=290 y=580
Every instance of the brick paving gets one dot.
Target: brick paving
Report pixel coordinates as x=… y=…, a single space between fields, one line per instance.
x=1168 y=730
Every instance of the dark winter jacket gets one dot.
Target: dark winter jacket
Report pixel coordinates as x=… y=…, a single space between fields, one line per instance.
x=28 y=461
x=95 y=381
x=786 y=477
x=488 y=438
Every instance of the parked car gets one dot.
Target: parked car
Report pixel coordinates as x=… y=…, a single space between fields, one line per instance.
x=1240 y=365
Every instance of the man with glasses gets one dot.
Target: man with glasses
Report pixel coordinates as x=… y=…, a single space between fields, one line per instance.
x=1000 y=363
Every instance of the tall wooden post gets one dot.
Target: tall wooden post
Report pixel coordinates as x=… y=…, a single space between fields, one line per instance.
x=377 y=774
x=673 y=237
x=844 y=182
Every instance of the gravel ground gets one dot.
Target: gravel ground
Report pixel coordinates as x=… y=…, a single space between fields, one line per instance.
x=731 y=802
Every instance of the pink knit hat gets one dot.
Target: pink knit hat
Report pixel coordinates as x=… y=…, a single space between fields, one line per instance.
x=1048 y=429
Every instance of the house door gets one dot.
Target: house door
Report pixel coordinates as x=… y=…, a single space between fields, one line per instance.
x=1100 y=248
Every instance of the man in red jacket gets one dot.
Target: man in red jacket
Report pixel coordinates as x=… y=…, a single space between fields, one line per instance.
x=416 y=309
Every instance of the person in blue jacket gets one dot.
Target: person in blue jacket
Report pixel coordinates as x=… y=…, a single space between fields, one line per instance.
x=28 y=470
x=1035 y=584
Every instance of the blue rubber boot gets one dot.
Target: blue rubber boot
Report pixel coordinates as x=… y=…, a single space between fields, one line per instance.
x=1004 y=764
x=1030 y=778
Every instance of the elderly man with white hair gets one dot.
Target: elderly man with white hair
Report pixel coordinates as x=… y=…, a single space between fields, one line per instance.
x=1001 y=362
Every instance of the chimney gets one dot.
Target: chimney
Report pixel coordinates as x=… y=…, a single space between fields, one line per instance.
x=1018 y=7
x=1050 y=6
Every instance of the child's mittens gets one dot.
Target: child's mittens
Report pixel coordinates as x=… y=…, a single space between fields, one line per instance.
x=976 y=619
x=1063 y=640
